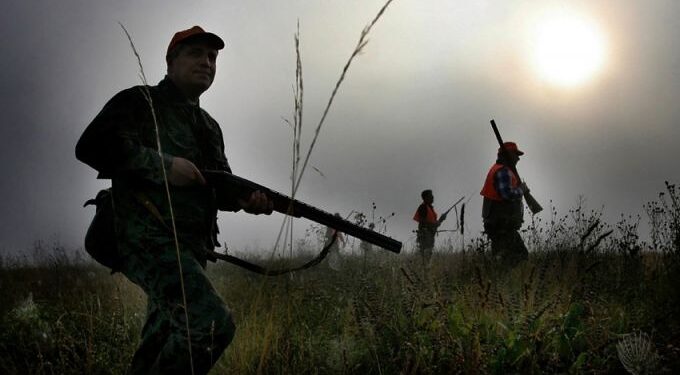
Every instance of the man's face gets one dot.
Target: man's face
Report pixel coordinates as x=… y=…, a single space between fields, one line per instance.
x=509 y=157
x=429 y=198
x=514 y=158
x=193 y=70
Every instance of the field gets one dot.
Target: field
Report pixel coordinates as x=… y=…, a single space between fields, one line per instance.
x=584 y=302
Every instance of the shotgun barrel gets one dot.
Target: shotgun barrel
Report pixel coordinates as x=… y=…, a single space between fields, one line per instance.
x=223 y=180
x=533 y=204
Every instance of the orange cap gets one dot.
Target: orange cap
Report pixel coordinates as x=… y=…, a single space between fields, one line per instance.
x=195 y=32
x=511 y=147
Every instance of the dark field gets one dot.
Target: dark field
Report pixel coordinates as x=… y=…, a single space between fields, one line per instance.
x=586 y=301
x=560 y=312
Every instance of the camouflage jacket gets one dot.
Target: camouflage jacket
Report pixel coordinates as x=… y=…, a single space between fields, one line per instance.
x=121 y=145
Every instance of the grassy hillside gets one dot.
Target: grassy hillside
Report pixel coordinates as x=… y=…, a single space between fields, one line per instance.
x=586 y=301
x=558 y=312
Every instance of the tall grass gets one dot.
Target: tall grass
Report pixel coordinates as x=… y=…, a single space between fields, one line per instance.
x=299 y=165
x=565 y=310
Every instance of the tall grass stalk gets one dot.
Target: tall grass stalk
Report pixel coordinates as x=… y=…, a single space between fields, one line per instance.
x=147 y=96
x=358 y=49
x=298 y=91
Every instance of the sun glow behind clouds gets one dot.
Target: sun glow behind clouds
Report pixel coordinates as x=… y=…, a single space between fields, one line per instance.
x=567 y=49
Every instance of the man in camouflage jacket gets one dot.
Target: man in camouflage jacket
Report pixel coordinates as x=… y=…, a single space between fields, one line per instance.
x=121 y=145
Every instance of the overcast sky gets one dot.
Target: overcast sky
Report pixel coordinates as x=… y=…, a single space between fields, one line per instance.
x=413 y=112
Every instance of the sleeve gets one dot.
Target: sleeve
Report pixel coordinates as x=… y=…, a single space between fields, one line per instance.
x=503 y=184
x=227 y=200
x=421 y=213
x=113 y=143
x=215 y=142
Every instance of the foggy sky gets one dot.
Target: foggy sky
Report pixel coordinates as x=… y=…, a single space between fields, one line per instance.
x=413 y=112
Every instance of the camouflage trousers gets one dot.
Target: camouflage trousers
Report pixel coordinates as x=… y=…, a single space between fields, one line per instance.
x=507 y=246
x=164 y=348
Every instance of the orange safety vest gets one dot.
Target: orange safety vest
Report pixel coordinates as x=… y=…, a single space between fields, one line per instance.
x=489 y=188
x=430 y=216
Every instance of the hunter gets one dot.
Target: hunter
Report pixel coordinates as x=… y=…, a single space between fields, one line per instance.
x=428 y=223
x=187 y=324
x=503 y=208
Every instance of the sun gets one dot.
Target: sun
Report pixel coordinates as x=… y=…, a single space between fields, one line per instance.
x=568 y=49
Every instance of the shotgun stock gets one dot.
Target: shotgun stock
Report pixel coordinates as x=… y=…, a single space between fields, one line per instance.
x=533 y=204
x=292 y=207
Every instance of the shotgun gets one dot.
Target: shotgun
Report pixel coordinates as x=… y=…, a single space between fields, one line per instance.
x=533 y=204
x=226 y=181
x=443 y=216
x=452 y=206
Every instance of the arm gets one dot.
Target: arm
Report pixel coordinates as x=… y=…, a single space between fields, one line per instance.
x=503 y=184
x=113 y=144
x=213 y=143
x=422 y=213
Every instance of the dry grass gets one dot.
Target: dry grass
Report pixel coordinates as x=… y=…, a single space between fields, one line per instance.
x=550 y=314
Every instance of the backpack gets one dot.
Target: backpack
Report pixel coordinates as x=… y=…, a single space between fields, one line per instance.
x=100 y=240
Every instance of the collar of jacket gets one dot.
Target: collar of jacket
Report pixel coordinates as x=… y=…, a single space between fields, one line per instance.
x=172 y=93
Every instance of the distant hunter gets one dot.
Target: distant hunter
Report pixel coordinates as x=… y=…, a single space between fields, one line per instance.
x=503 y=208
x=428 y=223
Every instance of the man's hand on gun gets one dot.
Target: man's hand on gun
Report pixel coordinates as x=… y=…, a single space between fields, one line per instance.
x=184 y=173
x=264 y=200
x=441 y=219
x=258 y=203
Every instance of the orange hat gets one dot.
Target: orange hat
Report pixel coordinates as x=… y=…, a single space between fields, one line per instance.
x=511 y=147
x=195 y=32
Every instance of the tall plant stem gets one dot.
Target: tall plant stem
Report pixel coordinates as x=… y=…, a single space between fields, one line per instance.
x=147 y=96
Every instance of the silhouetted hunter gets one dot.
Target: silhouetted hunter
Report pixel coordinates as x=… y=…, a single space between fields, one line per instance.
x=503 y=208
x=120 y=144
x=428 y=224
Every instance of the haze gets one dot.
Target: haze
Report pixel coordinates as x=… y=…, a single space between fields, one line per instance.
x=413 y=112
